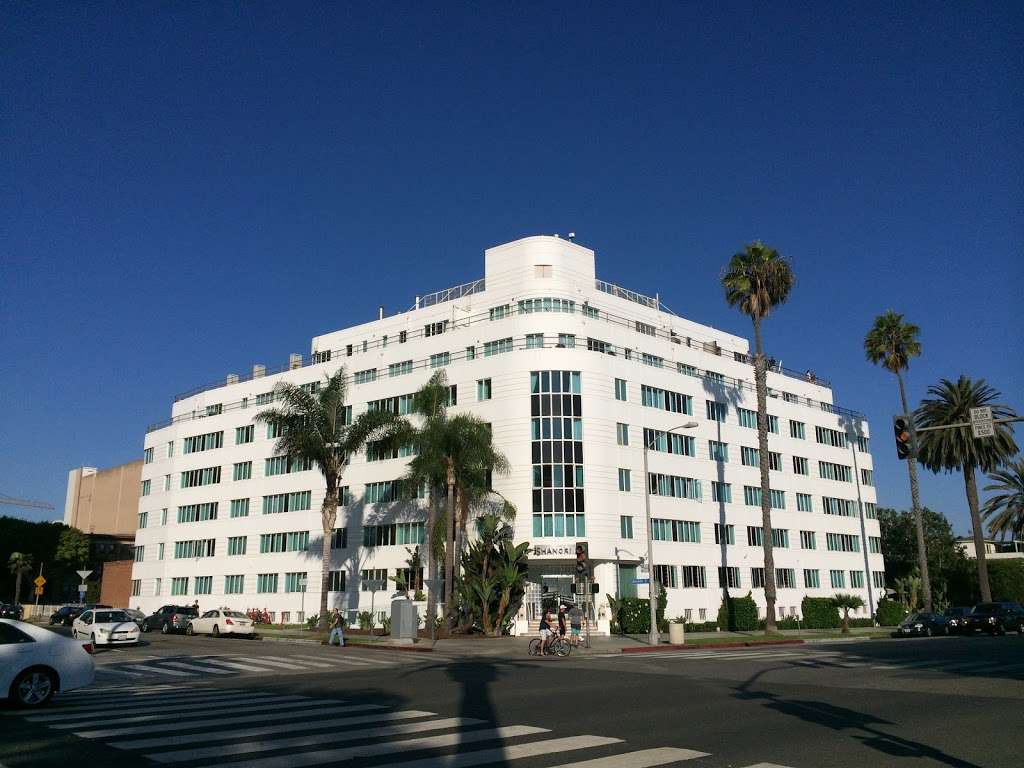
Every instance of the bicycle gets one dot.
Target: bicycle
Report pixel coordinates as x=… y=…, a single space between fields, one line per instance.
x=557 y=646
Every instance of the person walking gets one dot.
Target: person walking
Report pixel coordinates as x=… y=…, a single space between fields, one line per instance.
x=576 y=624
x=561 y=621
x=337 y=629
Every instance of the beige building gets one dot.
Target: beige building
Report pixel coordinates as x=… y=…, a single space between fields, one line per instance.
x=104 y=501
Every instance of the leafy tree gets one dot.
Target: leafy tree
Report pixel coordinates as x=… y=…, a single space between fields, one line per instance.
x=955 y=448
x=494 y=579
x=19 y=564
x=947 y=565
x=73 y=548
x=846 y=603
x=1004 y=512
x=317 y=426
x=892 y=343
x=757 y=280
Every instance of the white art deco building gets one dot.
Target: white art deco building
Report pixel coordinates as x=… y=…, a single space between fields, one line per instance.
x=573 y=374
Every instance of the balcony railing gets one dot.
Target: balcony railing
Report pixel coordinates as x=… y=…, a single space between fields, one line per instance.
x=449 y=294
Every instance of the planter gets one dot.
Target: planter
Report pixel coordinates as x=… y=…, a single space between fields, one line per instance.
x=676 y=633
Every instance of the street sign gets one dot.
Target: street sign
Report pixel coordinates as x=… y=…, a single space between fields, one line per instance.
x=83 y=575
x=981 y=422
x=39 y=590
x=641 y=581
x=39 y=581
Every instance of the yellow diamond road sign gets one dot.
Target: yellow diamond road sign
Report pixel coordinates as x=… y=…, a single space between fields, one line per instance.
x=39 y=581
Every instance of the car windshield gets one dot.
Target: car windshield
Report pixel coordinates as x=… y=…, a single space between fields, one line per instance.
x=235 y=615
x=915 y=617
x=986 y=608
x=109 y=617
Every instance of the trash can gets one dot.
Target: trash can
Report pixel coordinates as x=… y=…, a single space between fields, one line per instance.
x=677 y=633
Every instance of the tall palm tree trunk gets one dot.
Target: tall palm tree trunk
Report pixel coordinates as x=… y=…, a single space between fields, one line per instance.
x=761 y=385
x=328 y=516
x=915 y=503
x=979 y=539
x=17 y=586
x=449 y=551
x=431 y=564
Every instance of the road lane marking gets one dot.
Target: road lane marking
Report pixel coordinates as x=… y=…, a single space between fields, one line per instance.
x=644 y=758
x=231 y=664
x=163 y=698
x=319 y=757
x=77 y=713
x=158 y=670
x=279 y=664
x=268 y=730
x=248 y=747
x=206 y=724
x=196 y=668
x=187 y=713
x=500 y=754
x=344 y=660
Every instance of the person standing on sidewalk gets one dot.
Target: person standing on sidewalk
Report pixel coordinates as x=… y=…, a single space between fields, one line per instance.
x=576 y=623
x=337 y=629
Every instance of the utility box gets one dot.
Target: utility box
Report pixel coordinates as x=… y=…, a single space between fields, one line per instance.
x=404 y=622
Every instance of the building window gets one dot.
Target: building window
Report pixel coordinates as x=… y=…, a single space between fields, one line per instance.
x=867 y=477
x=665 y=575
x=147 y=456
x=717 y=411
x=730 y=534
x=749 y=457
x=686 y=531
x=214 y=410
x=163 y=516
x=796 y=430
x=294 y=581
x=143 y=519
x=833 y=506
x=293 y=541
x=534 y=340
x=207 y=442
x=336 y=581
x=373 y=579
x=244 y=434
x=728 y=577
x=497 y=347
x=392 y=534
x=620 y=389
x=440 y=359
x=757 y=578
x=878 y=579
x=136 y=587
x=774 y=461
x=626 y=526
x=186 y=550
x=339 y=538
x=747 y=418
x=365 y=377
x=204 y=585
x=234 y=585
x=752 y=497
x=669 y=442
x=145 y=488
x=828 y=470
x=239 y=508
x=547 y=304
x=803 y=502
x=862 y=445
x=785 y=578
x=286 y=502
x=196 y=513
x=167 y=482
x=773 y=424
x=718 y=451
x=241 y=471
x=694 y=577
x=470 y=353
x=811 y=580
x=870 y=510
x=826 y=436
x=435 y=329
x=179 y=585
x=542 y=270
x=857 y=579
x=838 y=579
x=721 y=492
x=674 y=486
x=652 y=360
x=558 y=503
x=567 y=340
x=344 y=496
x=807 y=540
x=160 y=552
x=236 y=545
x=875 y=545
x=842 y=542
x=483 y=389
x=624 y=479
x=400 y=369
x=266 y=583
x=622 y=434
x=500 y=313
x=140 y=554
x=589 y=311
x=158 y=586
x=265 y=398
x=800 y=466
x=170 y=448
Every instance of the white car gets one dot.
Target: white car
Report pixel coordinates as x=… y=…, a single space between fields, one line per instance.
x=221 y=622
x=104 y=626
x=35 y=663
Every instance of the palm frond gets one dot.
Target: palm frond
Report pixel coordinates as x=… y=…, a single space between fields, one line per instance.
x=891 y=342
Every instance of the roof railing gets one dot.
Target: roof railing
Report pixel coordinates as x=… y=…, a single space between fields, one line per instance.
x=449 y=294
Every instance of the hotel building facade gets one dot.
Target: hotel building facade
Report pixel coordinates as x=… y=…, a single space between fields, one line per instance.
x=574 y=375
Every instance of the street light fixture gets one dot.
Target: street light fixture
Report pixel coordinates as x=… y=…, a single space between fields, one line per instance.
x=654 y=638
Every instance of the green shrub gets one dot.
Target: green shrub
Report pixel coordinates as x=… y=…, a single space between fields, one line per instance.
x=738 y=614
x=365 y=619
x=820 y=613
x=632 y=615
x=862 y=622
x=704 y=626
x=312 y=621
x=1006 y=578
x=889 y=613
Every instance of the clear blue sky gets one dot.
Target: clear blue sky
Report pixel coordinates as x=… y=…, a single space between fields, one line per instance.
x=187 y=190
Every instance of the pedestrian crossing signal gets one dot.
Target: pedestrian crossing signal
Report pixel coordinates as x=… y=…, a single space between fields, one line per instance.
x=903 y=429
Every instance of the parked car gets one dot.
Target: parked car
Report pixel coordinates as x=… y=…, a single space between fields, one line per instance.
x=36 y=663
x=11 y=611
x=66 y=615
x=995 y=618
x=221 y=622
x=135 y=615
x=922 y=625
x=956 y=618
x=106 y=627
x=170 y=618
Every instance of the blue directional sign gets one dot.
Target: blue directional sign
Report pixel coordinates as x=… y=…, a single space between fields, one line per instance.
x=641 y=581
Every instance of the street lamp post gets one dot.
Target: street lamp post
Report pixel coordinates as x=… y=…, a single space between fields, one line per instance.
x=302 y=588
x=654 y=637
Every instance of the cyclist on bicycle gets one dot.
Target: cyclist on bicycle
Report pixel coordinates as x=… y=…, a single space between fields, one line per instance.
x=545 y=629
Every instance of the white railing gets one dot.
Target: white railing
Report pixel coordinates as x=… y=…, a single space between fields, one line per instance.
x=448 y=294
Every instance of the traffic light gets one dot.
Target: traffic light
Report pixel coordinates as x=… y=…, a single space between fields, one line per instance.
x=582 y=561
x=903 y=429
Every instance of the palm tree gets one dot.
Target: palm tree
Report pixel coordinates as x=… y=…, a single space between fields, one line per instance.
x=847 y=603
x=891 y=343
x=316 y=426
x=953 y=448
x=1004 y=512
x=19 y=564
x=757 y=280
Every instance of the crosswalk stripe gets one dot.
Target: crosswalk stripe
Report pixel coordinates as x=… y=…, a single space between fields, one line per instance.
x=268 y=730
x=279 y=664
x=247 y=747
x=131 y=690
x=160 y=699
x=342 y=660
x=206 y=724
x=231 y=664
x=219 y=700
x=158 y=670
x=187 y=713
x=504 y=754
x=318 y=757
x=196 y=668
x=304 y=660
x=115 y=671
x=766 y=765
x=644 y=758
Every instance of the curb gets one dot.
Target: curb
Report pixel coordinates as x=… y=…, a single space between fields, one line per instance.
x=707 y=646
x=399 y=648
x=302 y=640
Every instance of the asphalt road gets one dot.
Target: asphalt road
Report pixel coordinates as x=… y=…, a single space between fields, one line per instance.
x=943 y=701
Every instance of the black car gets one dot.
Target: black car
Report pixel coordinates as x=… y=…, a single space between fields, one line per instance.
x=169 y=618
x=956 y=618
x=995 y=618
x=66 y=615
x=922 y=625
x=10 y=611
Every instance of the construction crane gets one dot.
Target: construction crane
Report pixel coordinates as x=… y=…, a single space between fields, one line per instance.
x=13 y=502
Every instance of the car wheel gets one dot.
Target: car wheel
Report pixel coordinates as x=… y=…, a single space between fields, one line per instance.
x=216 y=631
x=165 y=628
x=927 y=631
x=189 y=630
x=34 y=687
